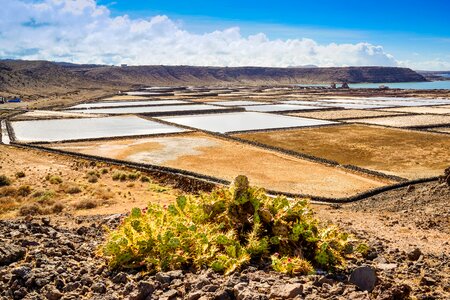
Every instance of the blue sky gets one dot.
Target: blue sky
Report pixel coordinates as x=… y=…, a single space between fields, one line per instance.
x=407 y=29
x=413 y=34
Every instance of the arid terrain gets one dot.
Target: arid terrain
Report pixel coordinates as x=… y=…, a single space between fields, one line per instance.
x=369 y=160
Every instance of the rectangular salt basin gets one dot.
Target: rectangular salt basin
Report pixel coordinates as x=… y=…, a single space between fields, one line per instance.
x=243 y=121
x=385 y=102
x=87 y=128
x=280 y=107
x=127 y=103
x=238 y=103
x=150 y=109
x=338 y=105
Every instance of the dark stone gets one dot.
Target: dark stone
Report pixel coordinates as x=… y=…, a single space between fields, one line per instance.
x=99 y=288
x=21 y=272
x=144 y=290
x=120 y=278
x=53 y=294
x=163 y=277
x=415 y=254
x=10 y=253
x=286 y=291
x=364 y=278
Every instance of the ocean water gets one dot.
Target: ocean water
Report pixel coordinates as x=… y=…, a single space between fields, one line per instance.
x=429 y=85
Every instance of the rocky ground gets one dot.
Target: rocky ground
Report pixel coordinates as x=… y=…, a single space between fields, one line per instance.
x=42 y=258
x=45 y=260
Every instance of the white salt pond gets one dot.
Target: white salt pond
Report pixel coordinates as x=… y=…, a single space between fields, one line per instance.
x=150 y=109
x=243 y=121
x=338 y=105
x=87 y=128
x=280 y=107
x=127 y=103
x=4 y=130
x=239 y=103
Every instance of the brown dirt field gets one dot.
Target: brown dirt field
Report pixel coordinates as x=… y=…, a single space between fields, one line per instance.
x=343 y=114
x=405 y=219
x=110 y=196
x=226 y=159
x=421 y=110
x=409 y=154
x=406 y=121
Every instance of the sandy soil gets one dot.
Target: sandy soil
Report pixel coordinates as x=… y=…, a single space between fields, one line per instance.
x=226 y=159
x=406 y=121
x=439 y=110
x=408 y=154
x=343 y=114
x=110 y=196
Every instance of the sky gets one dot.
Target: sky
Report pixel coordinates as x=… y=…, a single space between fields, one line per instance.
x=281 y=33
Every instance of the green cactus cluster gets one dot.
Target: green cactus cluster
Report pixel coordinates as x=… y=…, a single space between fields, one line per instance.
x=224 y=230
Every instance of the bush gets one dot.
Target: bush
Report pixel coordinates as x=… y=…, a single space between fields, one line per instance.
x=119 y=176
x=55 y=179
x=4 y=181
x=20 y=174
x=8 y=191
x=134 y=176
x=86 y=204
x=72 y=189
x=24 y=190
x=145 y=179
x=224 y=230
x=92 y=178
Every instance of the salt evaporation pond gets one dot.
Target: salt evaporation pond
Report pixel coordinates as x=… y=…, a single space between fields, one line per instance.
x=127 y=103
x=87 y=128
x=4 y=131
x=338 y=105
x=238 y=103
x=150 y=109
x=243 y=121
x=280 y=107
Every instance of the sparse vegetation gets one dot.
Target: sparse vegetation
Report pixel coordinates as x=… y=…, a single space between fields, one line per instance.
x=54 y=179
x=145 y=179
x=224 y=230
x=4 y=180
x=24 y=190
x=20 y=174
x=72 y=189
x=86 y=204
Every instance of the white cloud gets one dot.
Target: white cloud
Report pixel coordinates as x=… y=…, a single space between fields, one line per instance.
x=427 y=65
x=82 y=31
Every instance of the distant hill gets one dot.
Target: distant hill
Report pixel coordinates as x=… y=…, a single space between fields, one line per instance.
x=43 y=77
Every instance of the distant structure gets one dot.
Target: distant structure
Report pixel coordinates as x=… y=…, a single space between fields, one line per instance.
x=383 y=87
x=333 y=85
x=123 y=65
x=345 y=86
x=13 y=100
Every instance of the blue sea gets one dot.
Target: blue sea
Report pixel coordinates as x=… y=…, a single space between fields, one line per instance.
x=428 y=85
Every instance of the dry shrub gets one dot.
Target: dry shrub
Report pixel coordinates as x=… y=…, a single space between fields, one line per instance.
x=24 y=191
x=145 y=179
x=72 y=188
x=102 y=193
x=20 y=174
x=55 y=179
x=92 y=178
x=30 y=210
x=8 y=191
x=4 y=180
x=86 y=204
x=36 y=209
